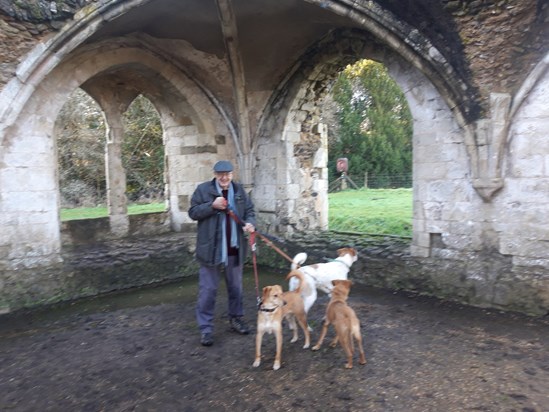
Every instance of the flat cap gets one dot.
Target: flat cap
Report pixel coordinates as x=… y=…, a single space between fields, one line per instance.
x=223 y=166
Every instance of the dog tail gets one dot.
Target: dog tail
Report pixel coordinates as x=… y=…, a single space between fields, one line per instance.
x=299 y=259
x=299 y=275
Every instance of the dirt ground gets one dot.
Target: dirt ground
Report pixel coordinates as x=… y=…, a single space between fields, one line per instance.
x=141 y=352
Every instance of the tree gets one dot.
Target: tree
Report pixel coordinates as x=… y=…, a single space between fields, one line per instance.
x=81 y=152
x=143 y=152
x=81 y=147
x=374 y=128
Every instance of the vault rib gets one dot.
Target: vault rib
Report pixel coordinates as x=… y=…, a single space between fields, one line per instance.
x=244 y=138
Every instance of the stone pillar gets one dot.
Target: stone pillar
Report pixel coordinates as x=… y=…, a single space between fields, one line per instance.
x=246 y=163
x=116 y=175
x=320 y=177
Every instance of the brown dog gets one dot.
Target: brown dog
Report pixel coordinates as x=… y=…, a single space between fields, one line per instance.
x=274 y=307
x=345 y=321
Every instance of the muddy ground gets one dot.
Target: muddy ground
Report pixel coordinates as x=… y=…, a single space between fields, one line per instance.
x=141 y=352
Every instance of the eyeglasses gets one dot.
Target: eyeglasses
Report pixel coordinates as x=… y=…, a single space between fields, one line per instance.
x=224 y=174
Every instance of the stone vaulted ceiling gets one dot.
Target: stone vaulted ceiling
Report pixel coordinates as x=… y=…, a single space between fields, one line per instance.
x=484 y=46
x=271 y=34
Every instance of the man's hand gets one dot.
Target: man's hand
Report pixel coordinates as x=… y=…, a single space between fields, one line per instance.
x=220 y=203
x=249 y=228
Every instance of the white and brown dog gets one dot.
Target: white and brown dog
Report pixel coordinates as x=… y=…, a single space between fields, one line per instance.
x=346 y=324
x=320 y=275
x=275 y=306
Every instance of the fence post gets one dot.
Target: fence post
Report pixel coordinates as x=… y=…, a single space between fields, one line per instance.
x=366 y=180
x=343 y=181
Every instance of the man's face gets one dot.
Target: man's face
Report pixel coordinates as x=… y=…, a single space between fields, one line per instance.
x=224 y=179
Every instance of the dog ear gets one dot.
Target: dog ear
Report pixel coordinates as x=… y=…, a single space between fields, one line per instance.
x=345 y=285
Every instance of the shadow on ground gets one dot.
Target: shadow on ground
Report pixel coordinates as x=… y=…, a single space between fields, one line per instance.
x=141 y=352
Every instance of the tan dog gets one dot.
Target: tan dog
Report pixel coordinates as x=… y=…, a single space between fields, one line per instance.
x=274 y=307
x=345 y=321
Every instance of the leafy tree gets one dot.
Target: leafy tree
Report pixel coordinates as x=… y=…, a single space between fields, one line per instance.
x=81 y=152
x=374 y=129
x=81 y=148
x=143 y=152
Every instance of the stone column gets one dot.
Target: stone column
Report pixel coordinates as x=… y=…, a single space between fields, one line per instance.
x=319 y=187
x=116 y=175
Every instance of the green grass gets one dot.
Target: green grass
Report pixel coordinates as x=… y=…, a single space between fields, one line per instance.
x=101 y=211
x=377 y=211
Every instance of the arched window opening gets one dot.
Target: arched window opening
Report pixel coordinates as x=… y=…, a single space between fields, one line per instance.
x=143 y=157
x=369 y=152
x=80 y=139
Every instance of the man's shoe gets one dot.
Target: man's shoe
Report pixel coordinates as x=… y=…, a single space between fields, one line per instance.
x=238 y=325
x=206 y=339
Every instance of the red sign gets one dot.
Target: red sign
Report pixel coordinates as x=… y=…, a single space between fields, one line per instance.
x=342 y=164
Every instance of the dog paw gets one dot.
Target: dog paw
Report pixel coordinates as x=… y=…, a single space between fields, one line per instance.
x=276 y=366
x=316 y=347
x=349 y=366
x=293 y=340
x=257 y=363
x=306 y=346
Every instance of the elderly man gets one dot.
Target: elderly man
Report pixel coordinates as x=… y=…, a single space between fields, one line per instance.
x=221 y=246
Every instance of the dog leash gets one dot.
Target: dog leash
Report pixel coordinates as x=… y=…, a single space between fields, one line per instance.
x=262 y=236
x=253 y=247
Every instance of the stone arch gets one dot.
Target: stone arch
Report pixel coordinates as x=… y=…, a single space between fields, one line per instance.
x=526 y=172
x=535 y=80
x=195 y=134
x=45 y=57
x=396 y=35
x=300 y=180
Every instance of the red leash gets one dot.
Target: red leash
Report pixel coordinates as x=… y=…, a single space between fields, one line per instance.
x=253 y=247
x=263 y=237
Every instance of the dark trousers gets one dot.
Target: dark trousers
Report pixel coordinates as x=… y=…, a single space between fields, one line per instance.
x=208 y=282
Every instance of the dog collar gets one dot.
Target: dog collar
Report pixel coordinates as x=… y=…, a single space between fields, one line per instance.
x=269 y=310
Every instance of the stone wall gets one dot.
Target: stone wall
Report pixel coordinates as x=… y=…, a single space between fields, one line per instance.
x=484 y=279
x=93 y=267
x=93 y=262
x=23 y=24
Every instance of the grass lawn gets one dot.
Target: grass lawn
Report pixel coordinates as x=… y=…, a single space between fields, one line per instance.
x=101 y=211
x=376 y=211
